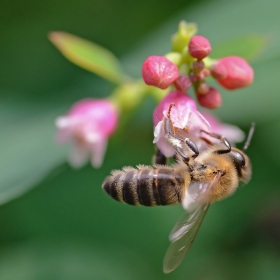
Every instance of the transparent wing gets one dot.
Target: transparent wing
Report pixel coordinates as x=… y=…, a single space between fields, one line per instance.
x=196 y=204
x=186 y=222
x=182 y=237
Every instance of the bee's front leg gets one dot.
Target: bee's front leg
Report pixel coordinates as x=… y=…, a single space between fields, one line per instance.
x=175 y=136
x=223 y=140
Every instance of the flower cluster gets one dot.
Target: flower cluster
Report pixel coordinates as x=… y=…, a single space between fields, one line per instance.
x=90 y=122
x=190 y=64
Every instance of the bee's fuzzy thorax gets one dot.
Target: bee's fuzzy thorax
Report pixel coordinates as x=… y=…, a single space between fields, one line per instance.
x=213 y=164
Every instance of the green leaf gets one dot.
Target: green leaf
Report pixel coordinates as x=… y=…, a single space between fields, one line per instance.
x=88 y=55
x=249 y=47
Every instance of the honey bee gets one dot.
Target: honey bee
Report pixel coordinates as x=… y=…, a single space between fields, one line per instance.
x=196 y=180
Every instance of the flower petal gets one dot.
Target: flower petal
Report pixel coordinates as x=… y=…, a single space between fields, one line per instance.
x=158 y=132
x=232 y=133
x=98 y=150
x=78 y=156
x=65 y=125
x=165 y=147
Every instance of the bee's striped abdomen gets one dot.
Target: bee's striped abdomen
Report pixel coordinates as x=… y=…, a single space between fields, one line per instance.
x=146 y=185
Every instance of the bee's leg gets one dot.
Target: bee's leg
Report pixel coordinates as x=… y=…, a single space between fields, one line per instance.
x=159 y=158
x=174 y=136
x=223 y=140
x=176 y=141
x=179 y=134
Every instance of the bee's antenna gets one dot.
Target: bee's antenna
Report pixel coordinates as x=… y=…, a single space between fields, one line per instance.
x=249 y=137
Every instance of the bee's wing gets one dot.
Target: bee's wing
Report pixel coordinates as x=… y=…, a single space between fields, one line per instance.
x=186 y=222
x=196 y=204
x=183 y=237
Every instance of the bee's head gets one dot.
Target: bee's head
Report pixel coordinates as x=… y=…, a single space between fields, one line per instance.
x=242 y=164
x=240 y=159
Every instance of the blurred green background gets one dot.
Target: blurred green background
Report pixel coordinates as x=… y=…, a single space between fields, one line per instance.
x=66 y=227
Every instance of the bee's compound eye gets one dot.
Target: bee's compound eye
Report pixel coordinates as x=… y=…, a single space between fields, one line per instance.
x=238 y=158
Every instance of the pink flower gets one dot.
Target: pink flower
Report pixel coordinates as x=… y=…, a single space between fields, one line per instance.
x=184 y=115
x=233 y=72
x=87 y=126
x=160 y=72
x=199 y=47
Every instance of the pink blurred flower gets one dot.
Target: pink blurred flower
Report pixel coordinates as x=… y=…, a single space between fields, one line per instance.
x=160 y=72
x=184 y=115
x=233 y=72
x=87 y=126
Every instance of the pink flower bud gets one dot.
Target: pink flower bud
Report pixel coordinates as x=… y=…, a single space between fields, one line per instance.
x=239 y=73
x=198 y=66
x=160 y=72
x=200 y=77
x=219 y=71
x=203 y=88
x=206 y=72
x=87 y=125
x=183 y=83
x=212 y=99
x=193 y=78
x=199 y=47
